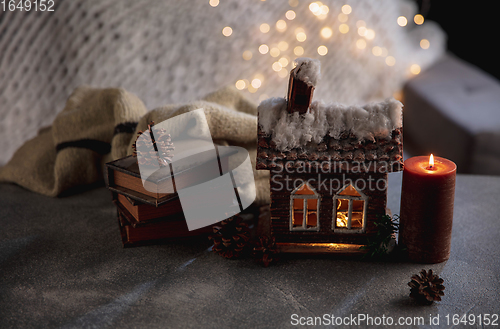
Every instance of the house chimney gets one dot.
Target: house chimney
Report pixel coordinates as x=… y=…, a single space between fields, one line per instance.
x=303 y=78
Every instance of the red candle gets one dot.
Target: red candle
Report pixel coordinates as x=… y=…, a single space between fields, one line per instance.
x=426 y=217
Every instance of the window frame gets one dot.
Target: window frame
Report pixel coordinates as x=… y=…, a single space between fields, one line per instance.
x=348 y=229
x=305 y=197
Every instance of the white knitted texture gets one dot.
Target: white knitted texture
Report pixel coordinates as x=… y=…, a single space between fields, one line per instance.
x=173 y=51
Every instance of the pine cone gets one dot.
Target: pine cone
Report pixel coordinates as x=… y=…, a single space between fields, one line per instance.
x=145 y=148
x=426 y=287
x=230 y=238
x=266 y=251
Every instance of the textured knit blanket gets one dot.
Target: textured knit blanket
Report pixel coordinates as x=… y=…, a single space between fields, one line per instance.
x=99 y=125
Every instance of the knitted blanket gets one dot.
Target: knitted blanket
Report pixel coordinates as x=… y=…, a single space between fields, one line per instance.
x=174 y=51
x=99 y=125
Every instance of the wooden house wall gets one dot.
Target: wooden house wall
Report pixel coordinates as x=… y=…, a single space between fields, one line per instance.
x=280 y=208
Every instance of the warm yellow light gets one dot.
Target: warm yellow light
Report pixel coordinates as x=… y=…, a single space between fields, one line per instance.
x=346 y=9
x=247 y=55
x=252 y=89
x=283 y=61
x=213 y=3
x=322 y=50
x=290 y=15
x=383 y=51
x=326 y=32
x=281 y=25
x=342 y=17
x=277 y=66
x=344 y=28
x=263 y=49
x=314 y=7
x=431 y=162
x=362 y=31
x=323 y=10
x=370 y=34
x=275 y=52
x=293 y=3
x=425 y=44
x=418 y=19
x=415 y=69
x=227 y=31
x=283 y=45
x=402 y=21
x=360 y=23
x=390 y=61
x=361 y=44
x=240 y=84
x=256 y=83
x=264 y=28
x=301 y=36
x=298 y=51
x=376 y=51
x=283 y=73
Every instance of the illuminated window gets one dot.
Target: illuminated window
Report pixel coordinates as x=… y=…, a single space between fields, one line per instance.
x=304 y=209
x=349 y=213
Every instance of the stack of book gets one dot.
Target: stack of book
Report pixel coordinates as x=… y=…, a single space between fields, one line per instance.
x=147 y=217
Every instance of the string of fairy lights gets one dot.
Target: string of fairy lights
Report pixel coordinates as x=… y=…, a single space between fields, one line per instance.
x=281 y=51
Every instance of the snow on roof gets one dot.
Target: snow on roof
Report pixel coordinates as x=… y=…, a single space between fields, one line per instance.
x=292 y=131
x=307 y=70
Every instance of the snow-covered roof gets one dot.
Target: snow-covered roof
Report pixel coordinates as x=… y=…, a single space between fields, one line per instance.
x=331 y=132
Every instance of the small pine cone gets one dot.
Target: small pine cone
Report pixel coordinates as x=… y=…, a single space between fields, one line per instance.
x=265 y=252
x=230 y=237
x=144 y=149
x=426 y=287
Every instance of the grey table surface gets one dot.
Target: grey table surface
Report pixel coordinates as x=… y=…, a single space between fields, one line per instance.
x=62 y=265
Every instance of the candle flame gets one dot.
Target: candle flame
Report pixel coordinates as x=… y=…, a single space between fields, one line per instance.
x=431 y=161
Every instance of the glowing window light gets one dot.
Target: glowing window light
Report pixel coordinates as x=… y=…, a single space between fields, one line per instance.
x=283 y=45
x=213 y=3
x=415 y=69
x=227 y=31
x=418 y=19
x=425 y=44
x=283 y=61
x=298 y=51
x=322 y=50
x=247 y=55
x=376 y=51
x=275 y=52
x=240 y=84
x=370 y=34
x=344 y=28
x=256 y=83
x=277 y=66
x=326 y=32
x=346 y=9
x=301 y=36
x=263 y=49
x=390 y=61
x=281 y=25
x=402 y=21
x=361 y=44
x=290 y=15
x=264 y=28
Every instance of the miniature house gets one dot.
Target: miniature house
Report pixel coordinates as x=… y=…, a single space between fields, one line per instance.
x=328 y=166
